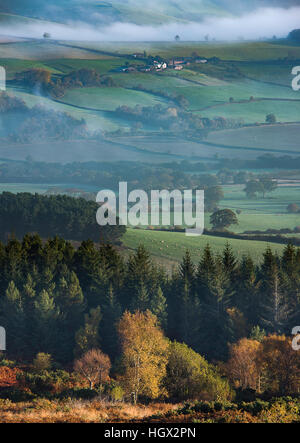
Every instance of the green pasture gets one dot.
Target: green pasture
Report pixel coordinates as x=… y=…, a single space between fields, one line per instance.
x=276 y=137
x=201 y=98
x=171 y=246
x=277 y=73
x=262 y=213
x=240 y=51
x=256 y=112
x=96 y=120
x=108 y=99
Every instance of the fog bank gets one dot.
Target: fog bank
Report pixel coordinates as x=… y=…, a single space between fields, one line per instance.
x=262 y=23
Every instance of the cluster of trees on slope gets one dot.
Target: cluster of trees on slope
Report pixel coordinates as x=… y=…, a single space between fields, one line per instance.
x=64 y=302
x=42 y=81
x=23 y=124
x=175 y=120
x=261 y=185
x=74 y=219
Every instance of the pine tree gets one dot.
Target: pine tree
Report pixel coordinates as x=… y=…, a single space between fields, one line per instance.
x=108 y=331
x=13 y=319
x=189 y=316
x=29 y=291
x=216 y=328
x=13 y=264
x=247 y=293
x=275 y=312
x=206 y=274
x=159 y=307
x=257 y=334
x=92 y=271
x=138 y=275
x=70 y=300
x=142 y=300
x=45 y=332
x=187 y=270
x=229 y=262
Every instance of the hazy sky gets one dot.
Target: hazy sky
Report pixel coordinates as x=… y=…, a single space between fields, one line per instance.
x=264 y=22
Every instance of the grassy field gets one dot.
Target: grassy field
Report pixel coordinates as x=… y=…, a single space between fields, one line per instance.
x=216 y=145
x=96 y=120
x=108 y=99
x=170 y=247
x=256 y=112
x=272 y=73
x=262 y=213
x=274 y=137
x=243 y=51
x=203 y=97
x=207 y=95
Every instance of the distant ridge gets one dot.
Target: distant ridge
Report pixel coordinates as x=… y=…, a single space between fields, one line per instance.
x=141 y=12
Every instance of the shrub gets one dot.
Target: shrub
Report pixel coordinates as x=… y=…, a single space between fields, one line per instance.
x=117 y=393
x=79 y=394
x=42 y=362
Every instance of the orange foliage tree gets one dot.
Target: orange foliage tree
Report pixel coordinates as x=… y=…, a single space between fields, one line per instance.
x=94 y=366
x=8 y=377
x=243 y=367
x=281 y=364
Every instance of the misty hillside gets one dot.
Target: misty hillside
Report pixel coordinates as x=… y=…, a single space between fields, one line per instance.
x=134 y=11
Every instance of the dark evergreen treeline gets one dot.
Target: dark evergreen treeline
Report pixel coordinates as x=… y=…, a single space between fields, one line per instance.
x=71 y=218
x=63 y=301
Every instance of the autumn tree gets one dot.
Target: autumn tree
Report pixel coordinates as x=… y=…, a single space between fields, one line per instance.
x=42 y=362
x=190 y=377
x=8 y=376
x=93 y=366
x=145 y=354
x=281 y=364
x=242 y=367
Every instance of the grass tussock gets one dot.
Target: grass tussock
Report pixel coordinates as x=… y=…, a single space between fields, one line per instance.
x=77 y=411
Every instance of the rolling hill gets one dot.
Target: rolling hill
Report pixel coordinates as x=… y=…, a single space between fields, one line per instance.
x=135 y=11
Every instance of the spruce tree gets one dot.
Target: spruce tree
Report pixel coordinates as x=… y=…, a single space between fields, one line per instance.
x=13 y=319
x=274 y=308
x=158 y=307
x=108 y=329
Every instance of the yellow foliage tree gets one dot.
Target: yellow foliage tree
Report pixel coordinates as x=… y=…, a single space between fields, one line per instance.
x=145 y=354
